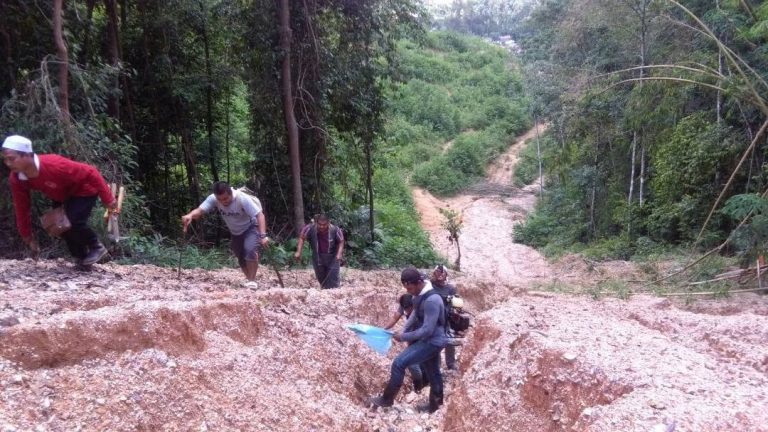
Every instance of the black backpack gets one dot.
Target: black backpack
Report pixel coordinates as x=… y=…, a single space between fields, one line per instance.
x=454 y=318
x=457 y=319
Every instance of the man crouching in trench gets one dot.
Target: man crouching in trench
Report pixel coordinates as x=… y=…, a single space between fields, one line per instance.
x=426 y=329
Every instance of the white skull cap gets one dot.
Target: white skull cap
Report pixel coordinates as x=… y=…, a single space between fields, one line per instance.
x=18 y=143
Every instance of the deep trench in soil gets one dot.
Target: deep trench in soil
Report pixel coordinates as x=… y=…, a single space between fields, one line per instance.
x=171 y=347
x=132 y=348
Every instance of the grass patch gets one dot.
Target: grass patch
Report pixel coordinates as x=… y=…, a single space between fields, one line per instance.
x=158 y=250
x=555 y=286
x=456 y=88
x=616 y=288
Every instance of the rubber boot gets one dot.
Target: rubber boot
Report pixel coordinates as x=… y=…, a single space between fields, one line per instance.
x=387 y=398
x=433 y=405
x=95 y=254
x=418 y=384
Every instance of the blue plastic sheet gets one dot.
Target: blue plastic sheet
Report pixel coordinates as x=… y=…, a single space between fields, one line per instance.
x=376 y=337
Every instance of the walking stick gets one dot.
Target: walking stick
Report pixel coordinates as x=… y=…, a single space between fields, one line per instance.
x=279 y=277
x=182 y=246
x=111 y=217
x=271 y=262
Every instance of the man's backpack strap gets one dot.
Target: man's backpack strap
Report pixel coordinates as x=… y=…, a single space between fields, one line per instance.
x=419 y=310
x=245 y=193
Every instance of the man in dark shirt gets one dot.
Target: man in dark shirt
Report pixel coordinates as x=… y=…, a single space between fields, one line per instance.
x=327 y=243
x=426 y=329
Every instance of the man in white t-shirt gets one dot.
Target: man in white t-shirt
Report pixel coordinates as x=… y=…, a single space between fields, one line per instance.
x=244 y=219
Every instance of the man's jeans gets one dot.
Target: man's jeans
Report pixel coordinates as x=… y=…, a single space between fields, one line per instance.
x=417 y=375
x=422 y=353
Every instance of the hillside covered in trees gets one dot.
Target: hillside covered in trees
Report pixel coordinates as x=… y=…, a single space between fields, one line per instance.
x=656 y=110
x=658 y=118
x=167 y=98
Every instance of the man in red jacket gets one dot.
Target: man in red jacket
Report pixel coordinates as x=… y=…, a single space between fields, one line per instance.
x=72 y=184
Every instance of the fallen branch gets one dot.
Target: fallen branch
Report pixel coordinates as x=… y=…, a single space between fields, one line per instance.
x=669 y=276
x=733 y=274
x=716 y=249
x=705 y=293
x=717 y=279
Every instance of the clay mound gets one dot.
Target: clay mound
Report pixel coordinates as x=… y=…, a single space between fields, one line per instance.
x=177 y=328
x=550 y=365
x=135 y=348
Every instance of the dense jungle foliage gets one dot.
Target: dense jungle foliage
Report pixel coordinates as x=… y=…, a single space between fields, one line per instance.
x=168 y=97
x=656 y=112
x=657 y=115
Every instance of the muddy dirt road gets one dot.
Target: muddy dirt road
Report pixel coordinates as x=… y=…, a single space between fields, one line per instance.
x=490 y=210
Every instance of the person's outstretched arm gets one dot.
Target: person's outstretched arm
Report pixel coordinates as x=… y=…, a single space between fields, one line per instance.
x=393 y=321
x=189 y=217
x=262 y=228
x=302 y=237
x=299 y=248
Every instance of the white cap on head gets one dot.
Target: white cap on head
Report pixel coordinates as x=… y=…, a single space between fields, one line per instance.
x=18 y=143
x=441 y=269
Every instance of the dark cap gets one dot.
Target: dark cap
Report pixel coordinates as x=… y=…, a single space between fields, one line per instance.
x=411 y=275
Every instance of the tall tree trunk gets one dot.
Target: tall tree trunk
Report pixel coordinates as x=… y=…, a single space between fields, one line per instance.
x=129 y=120
x=124 y=11
x=89 y=5
x=642 y=175
x=168 y=209
x=640 y=7
x=113 y=49
x=632 y=169
x=643 y=60
x=63 y=75
x=292 y=128
x=719 y=92
x=190 y=163
x=209 y=94
x=369 y=184
x=5 y=37
x=226 y=134
x=319 y=160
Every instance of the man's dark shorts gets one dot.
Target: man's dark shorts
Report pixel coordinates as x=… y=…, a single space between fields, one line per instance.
x=246 y=246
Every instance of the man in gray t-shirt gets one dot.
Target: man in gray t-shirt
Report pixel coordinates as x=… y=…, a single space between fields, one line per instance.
x=244 y=219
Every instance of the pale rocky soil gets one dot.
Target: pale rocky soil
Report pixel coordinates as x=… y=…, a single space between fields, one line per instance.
x=127 y=348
